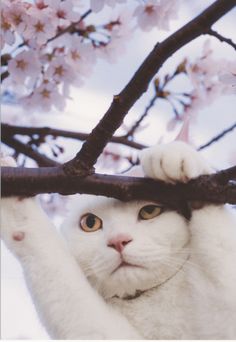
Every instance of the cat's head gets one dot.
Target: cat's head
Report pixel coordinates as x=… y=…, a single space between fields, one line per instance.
x=124 y=248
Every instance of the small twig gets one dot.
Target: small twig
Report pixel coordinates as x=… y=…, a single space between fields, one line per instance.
x=218 y=137
x=70 y=27
x=4 y=75
x=160 y=93
x=221 y=38
x=27 y=150
x=132 y=130
x=11 y=130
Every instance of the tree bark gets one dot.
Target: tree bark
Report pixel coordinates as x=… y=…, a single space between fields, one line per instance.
x=217 y=188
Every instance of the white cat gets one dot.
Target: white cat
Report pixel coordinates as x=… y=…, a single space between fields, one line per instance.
x=130 y=270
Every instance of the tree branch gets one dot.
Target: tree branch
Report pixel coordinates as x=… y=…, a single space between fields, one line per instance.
x=27 y=150
x=83 y=162
x=221 y=38
x=218 y=137
x=8 y=132
x=216 y=188
x=130 y=133
x=4 y=75
x=11 y=130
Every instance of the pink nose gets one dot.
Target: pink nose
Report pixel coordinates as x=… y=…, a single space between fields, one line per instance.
x=119 y=242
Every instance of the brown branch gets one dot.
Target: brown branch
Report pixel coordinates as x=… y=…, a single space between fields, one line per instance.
x=83 y=162
x=215 y=188
x=27 y=150
x=4 y=75
x=8 y=131
x=221 y=38
x=218 y=137
x=11 y=130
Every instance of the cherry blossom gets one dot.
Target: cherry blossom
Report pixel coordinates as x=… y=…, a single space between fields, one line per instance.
x=7 y=34
x=25 y=64
x=39 y=26
x=156 y=13
x=17 y=16
x=44 y=97
x=97 y=5
x=60 y=71
x=61 y=47
x=81 y=56
x=63 y=12
x=119 y=33
x=204 y=75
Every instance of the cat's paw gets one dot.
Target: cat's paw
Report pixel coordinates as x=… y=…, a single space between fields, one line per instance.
x=14 y=211
x=173 y=162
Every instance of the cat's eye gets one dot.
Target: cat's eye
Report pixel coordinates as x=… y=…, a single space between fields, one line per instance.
x=90 y=223
x=149 y=211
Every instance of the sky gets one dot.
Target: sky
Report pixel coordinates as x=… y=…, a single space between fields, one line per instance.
x=18 y=317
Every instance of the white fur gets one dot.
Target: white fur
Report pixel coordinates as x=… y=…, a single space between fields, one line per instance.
x=185 y=270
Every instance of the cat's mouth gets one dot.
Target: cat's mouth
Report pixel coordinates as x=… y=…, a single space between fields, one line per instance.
x=138 y=292
x=125 y=264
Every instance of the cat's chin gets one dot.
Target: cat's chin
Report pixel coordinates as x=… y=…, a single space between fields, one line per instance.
x=128 y=282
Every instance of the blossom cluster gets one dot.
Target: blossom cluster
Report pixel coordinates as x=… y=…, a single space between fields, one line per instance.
x=206 y=75
x=209 y=78
x=48 y=46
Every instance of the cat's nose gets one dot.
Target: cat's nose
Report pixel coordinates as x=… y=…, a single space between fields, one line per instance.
x=119 y=242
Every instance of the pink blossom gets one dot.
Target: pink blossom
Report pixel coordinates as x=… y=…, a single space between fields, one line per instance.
x=156 y=13
x=17 y=15
x=119 y=35
x=205 y=76
x=40 y=26
x=63 y=12
x=25 y=64
x=80 y=56
x=60 y=71
x=97 y=5
x=7 y=34
x=41 y=4
x=45 y=97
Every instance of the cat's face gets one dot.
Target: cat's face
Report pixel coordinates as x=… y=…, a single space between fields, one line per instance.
x=124 y=248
